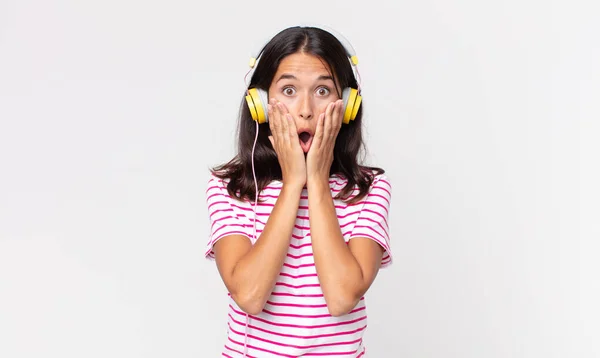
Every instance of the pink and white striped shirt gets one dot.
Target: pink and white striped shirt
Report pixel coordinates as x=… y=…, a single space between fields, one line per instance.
x=295 y=321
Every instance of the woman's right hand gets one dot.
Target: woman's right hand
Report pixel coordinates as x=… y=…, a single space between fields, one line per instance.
x=285 y=141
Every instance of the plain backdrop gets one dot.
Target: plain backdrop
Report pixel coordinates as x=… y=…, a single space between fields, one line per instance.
x=484 y=115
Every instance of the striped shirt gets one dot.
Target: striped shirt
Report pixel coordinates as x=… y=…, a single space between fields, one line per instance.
x=295 y=321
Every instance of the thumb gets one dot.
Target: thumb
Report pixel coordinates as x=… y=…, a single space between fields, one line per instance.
x=271 y=140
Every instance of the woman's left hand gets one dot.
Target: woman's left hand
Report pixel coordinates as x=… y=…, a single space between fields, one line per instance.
x=320 y=154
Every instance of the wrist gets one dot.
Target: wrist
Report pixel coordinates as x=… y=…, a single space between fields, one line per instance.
x=318 y=180
x=318 y=186
x=292 y=187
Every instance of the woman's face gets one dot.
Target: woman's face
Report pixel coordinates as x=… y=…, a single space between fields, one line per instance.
x=304 y=84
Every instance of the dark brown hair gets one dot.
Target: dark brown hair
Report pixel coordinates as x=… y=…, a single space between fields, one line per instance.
x=348 y=145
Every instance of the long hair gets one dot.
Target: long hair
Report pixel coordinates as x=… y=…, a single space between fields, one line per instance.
x=348 y=144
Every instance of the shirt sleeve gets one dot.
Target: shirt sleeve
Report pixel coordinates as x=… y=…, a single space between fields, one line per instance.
x=226 y=215
x=372 y=221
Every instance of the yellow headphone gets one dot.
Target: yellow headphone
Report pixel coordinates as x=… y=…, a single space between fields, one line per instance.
x=257 y=99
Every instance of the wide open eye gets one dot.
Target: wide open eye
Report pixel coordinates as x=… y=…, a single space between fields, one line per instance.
x=323 y=91
x=289 y=91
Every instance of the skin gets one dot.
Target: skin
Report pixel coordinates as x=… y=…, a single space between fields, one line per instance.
x=303 y=98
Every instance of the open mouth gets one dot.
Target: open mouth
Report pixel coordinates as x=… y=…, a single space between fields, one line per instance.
x=304 y=136
x=305 y=140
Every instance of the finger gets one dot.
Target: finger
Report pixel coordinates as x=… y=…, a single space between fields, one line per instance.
x=328 y=121
x=281 y=122
x=273 y=124
x=337 y=118
x=318 y=138
x=271 y=116
x=289 y=120
x=284 y=107
x=293 y=131
x=285 y=123
x=271 y=140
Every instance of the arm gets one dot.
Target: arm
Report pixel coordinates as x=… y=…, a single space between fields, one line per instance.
x=345 y=271
x=250 y=271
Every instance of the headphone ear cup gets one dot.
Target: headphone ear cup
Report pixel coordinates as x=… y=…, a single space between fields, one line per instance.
x=264 y=102
x=356 y=106
x=257 y=104
x=352 y=101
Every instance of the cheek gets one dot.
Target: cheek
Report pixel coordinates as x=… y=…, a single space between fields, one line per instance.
x=288 y=101
x=322 y=106
x=322 y=103
x=278 y=96
x=274 y=93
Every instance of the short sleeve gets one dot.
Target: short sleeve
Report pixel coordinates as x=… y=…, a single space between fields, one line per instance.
x=372 y=221
x=226 y=217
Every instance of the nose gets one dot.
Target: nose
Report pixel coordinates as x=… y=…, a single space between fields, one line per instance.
x=306 y=108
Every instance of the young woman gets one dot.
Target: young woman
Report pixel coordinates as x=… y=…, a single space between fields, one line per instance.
x=298 y=258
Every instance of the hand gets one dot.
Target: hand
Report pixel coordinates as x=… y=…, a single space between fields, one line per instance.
x=284 y=139
x=320 y=154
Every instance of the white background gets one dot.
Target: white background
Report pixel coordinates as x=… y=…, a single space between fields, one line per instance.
x=484 y=114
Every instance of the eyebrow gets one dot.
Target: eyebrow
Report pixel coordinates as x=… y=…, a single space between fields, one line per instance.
x=286 y=76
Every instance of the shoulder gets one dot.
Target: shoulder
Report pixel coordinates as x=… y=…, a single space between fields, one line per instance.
x=216 y=189
x=378 y=178
x=382 y=181
x=373 y=181
x=214 y=179
x=217 y=183
x=380 y=190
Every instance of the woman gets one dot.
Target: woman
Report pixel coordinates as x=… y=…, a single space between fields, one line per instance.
x=298 y=258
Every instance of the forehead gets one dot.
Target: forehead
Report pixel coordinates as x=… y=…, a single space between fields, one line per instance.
x=303 y=64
